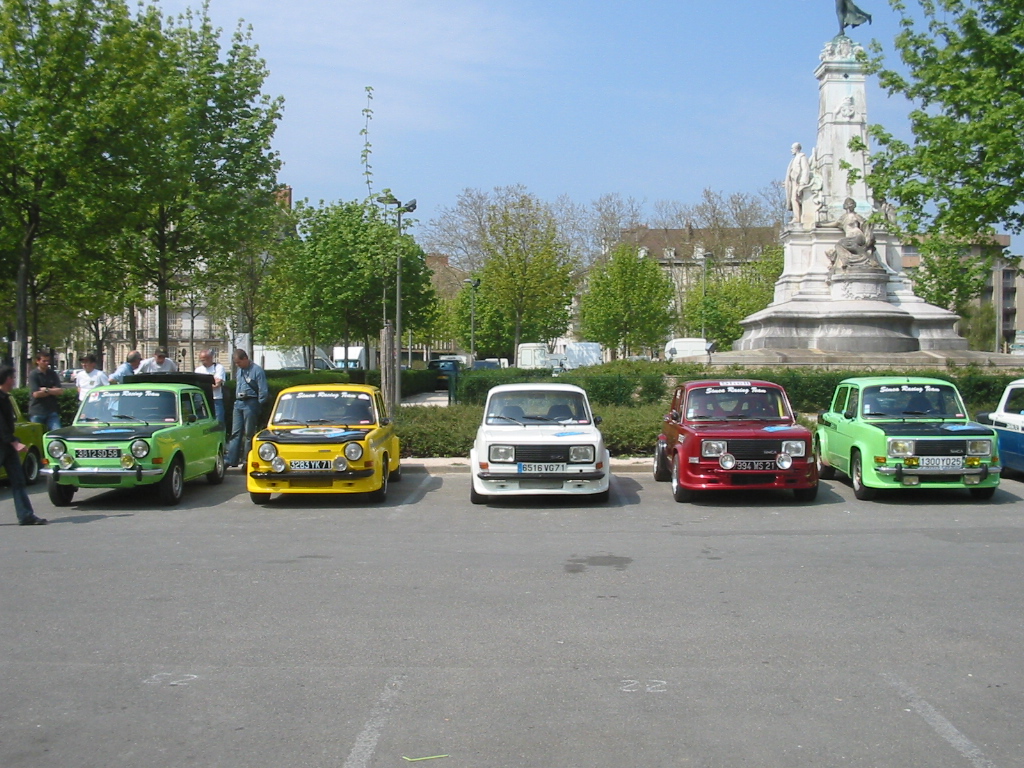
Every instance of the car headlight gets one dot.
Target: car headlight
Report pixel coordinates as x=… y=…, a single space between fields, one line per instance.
x=353 y=451
x=901 y=448
x=502 y=453
x=979 y=447
x=56 y=449
x=712 y=448
x=66 y=462
x=277 y=464
x=727 y=461
x=267 y=451
x=339 y=464
x=794 y=447
x=784 y=461
x=139 y=449
x=581 y=454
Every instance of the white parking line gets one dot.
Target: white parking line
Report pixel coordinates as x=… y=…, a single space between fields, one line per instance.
x=366 y=742
x=939 y=724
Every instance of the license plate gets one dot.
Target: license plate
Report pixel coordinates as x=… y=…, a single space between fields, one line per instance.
x=533 y=467
x=943 y=462
x=759 y=466
x=314 y=464
x=98 y=453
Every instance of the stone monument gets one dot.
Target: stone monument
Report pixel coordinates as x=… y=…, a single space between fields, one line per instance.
x=843 y=289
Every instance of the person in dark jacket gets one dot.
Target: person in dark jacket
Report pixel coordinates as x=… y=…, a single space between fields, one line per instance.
x=43 y=393
x=10 y=447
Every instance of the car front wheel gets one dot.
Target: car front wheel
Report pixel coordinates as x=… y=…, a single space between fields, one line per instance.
x=382 y=493
x=860 y=490
x=679 y=492
x=983 y=494
x=60 y=495
x=30 y=466
x=825 y=472
x=661 y=471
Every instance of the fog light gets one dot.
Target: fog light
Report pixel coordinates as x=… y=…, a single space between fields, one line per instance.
x=339 y=464
x=972 y=479
x=784 y=460
x=66 y=462
x=911 y=480
x=277 y=464
x=127 y=462
x=972 y=461
x=912 y=461
x=727 y=461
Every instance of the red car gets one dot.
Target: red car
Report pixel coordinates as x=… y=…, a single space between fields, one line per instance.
x=731 y=434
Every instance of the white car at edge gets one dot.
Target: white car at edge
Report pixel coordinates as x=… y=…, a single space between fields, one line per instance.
x=539 y=439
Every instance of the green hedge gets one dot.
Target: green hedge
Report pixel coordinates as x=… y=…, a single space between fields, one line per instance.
x=67 y=402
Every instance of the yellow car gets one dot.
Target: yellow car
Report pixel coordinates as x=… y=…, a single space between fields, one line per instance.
x=31 y=435
x=325 y=438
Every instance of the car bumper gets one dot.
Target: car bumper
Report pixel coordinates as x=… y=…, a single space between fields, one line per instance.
x=350 y=481
x=541 y=484
x=717 y=479
x=104 y=477
x=986 y=476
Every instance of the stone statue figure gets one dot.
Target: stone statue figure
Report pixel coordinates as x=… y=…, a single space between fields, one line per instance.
x=850 y=15
x=798 y=177
x=856 y=249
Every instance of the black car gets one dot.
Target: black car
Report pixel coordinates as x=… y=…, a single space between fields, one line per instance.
x=446 y=370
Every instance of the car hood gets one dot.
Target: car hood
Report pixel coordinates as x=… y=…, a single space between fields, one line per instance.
x=933 y=428
x=546 y=433
x=106 y=432
x=750 y=430
x=308 y=435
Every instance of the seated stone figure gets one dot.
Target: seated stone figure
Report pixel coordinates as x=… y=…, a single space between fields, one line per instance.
x=856 y=249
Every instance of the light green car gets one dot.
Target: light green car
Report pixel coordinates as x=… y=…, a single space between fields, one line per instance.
x=155 y=429
x=900 y=432
x=31 y=435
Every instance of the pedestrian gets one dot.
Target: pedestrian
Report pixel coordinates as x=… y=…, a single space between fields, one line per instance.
x=10 y=447
x=44 y=393
x=251 y=391
x=211 y=368
x=158 y=363
x=90 y=376
x=128 y=368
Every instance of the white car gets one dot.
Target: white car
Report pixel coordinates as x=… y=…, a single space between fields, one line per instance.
x=539 y=439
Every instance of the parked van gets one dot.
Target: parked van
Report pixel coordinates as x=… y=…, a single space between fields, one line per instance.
x=290 y=358
x=677 y=349
x=351 y=358
x=532 y=355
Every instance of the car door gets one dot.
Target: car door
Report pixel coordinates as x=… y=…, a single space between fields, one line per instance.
x=210 y=437
x=188 y=436
x=1009 y=423
x=846 y=428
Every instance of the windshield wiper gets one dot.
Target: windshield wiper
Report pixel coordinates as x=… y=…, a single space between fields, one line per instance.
x=131 y=418
x=287 y=421
x=508 y=418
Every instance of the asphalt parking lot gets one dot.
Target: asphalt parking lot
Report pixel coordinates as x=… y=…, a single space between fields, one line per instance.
x=739 y=630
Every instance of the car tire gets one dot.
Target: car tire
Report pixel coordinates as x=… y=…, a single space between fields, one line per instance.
x=825 y=472
x=30 y=466
x=216 y=475
x=396 y=475
x=679 y=492
x=983 y=494
x=60 y=495
x=259 y=498
x=382 y=493
x=806 y=494
x=662 y=473
x=861 y=491
x=477 y=498
x=172 y=485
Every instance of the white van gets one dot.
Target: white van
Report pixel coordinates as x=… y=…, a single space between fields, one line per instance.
x=678 y=349
x=290 y=359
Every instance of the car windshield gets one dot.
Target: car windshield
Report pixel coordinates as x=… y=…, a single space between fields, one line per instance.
x=533 y=407
x=721 y=402
x=120 y=405
x=442 y=365
x=324 y=407
x=932 y=401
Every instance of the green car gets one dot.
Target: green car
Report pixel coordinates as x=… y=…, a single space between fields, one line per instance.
x=155 y=429
x=31 y=435
x=900 y=432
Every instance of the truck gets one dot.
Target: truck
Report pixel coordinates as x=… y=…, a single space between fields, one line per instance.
x=352 y=358
x=677 y=349
x=290 y=358
x=532 y=355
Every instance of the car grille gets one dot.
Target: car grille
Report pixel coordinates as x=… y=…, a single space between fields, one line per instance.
x=541 y=453
x=941 y=448
x=755 y=449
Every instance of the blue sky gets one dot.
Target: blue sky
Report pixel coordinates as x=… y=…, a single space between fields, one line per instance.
x=654 y=100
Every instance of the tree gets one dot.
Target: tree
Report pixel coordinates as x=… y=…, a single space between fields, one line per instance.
x=730 y=298
x=964 y=171
x=627 y=302
x=77 y=79
x=948 y=277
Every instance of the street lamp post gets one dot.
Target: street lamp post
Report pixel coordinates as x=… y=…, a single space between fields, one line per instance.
x=474 y=284
x=408 y=207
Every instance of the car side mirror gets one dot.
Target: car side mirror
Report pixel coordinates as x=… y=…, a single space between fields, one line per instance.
x=984 y=418
x=597 y=420
x=674 y=416
x=822 y=419
x=384 y=422
x=849 y=414
x=191 y=418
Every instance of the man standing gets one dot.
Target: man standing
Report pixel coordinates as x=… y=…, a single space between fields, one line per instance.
x=44 y=392
x=251 y=391
x=208 y=366
x=798 y=177
x=128 y=368
x=90 y=376
x=10 y=447
x=158 y=363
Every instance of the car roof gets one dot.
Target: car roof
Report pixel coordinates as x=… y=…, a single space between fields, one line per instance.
x=868 y=381
x=733 y=382
x=366 y=389
x=535 y=387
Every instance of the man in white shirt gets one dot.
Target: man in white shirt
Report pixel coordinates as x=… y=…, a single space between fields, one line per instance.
x=90 y=376
x=158 y=363
x=216 y=370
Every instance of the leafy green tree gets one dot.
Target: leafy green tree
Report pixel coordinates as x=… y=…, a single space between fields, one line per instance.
x=627 y=302
x=978 y=326
x=948 y=277
x=77 y=79
x=962 y=173
x=731 y=297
